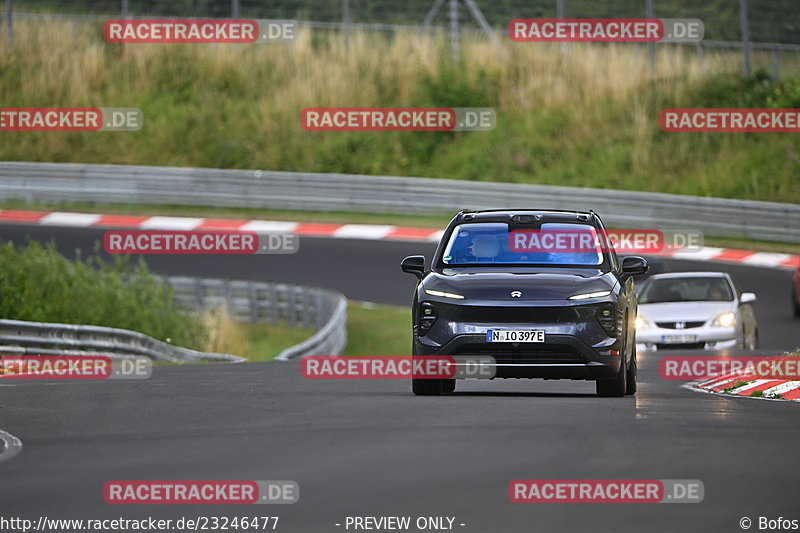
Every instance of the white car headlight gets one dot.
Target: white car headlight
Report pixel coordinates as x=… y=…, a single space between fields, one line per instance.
x=642 y=323
x=725 y=320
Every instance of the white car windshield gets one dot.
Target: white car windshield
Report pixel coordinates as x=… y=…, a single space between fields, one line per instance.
x=698 y=289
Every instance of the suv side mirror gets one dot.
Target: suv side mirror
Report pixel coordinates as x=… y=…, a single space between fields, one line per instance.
x=634 y=265
x=747 y=297
x=414 y=264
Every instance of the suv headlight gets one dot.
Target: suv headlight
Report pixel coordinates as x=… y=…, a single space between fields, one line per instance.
x=426 y=318
x=610 y=319
x=587 y=295
x=642 y=323
x=725 y=320
x=442 y=294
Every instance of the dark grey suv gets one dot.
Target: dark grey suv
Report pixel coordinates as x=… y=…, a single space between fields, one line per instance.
x=552 y=314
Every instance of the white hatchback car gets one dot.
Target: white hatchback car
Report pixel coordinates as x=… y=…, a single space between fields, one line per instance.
x=702 y=310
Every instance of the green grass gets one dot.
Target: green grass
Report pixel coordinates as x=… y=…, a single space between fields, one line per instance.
x=586 y=118
x=262 y=342
x=760 y=394
x=735 y=386
x=378 y=329
x=371 y=329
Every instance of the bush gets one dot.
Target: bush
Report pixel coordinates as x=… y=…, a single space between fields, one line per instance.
x=39 y=284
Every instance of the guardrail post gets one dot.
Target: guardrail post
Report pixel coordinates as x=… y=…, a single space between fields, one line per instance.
x=234 y=9
x=199 y=292
x=776 y=63
x=701 y=54
x=125 y=8
x=346 y=24
x=291 y=301
x=455 y=32
x=745 y=30
x=561 y=10
x=272 y=301
x=318 y=319
x=10 y=22
x=251 y=288
x=226 y=296
x=651 y=47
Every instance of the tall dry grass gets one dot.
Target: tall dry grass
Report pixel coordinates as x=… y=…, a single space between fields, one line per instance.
x=575 y=115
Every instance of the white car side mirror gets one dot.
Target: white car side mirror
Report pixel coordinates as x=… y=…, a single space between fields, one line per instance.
x=748 y=297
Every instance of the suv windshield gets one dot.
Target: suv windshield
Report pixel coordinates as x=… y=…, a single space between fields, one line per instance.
x=492 y=243
x=686 y=290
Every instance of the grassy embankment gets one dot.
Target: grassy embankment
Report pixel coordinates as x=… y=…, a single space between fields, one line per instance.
x=587 y=117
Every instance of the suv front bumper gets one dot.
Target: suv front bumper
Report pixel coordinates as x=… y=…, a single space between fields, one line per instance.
x=559 y=357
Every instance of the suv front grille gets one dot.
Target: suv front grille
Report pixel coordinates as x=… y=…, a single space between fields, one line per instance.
x=515 y=314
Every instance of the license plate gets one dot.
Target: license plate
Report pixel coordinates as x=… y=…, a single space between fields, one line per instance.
x=514 y=335
x=678 y=339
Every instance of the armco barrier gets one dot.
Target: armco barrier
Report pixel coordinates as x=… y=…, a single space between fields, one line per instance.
x=321 y=309
x=324 y=310
x=59 y=182
x=44 y=338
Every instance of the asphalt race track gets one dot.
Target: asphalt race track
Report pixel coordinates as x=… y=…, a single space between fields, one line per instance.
x=369 y=448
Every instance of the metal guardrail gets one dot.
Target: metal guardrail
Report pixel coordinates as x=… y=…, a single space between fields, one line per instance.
x=322 y=309
x=331 y=339
x=46 y=338
x=73 y=182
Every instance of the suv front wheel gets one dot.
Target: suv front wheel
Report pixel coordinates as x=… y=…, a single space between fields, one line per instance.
x=613 y=387
x=427 y=387
x=630 y=384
